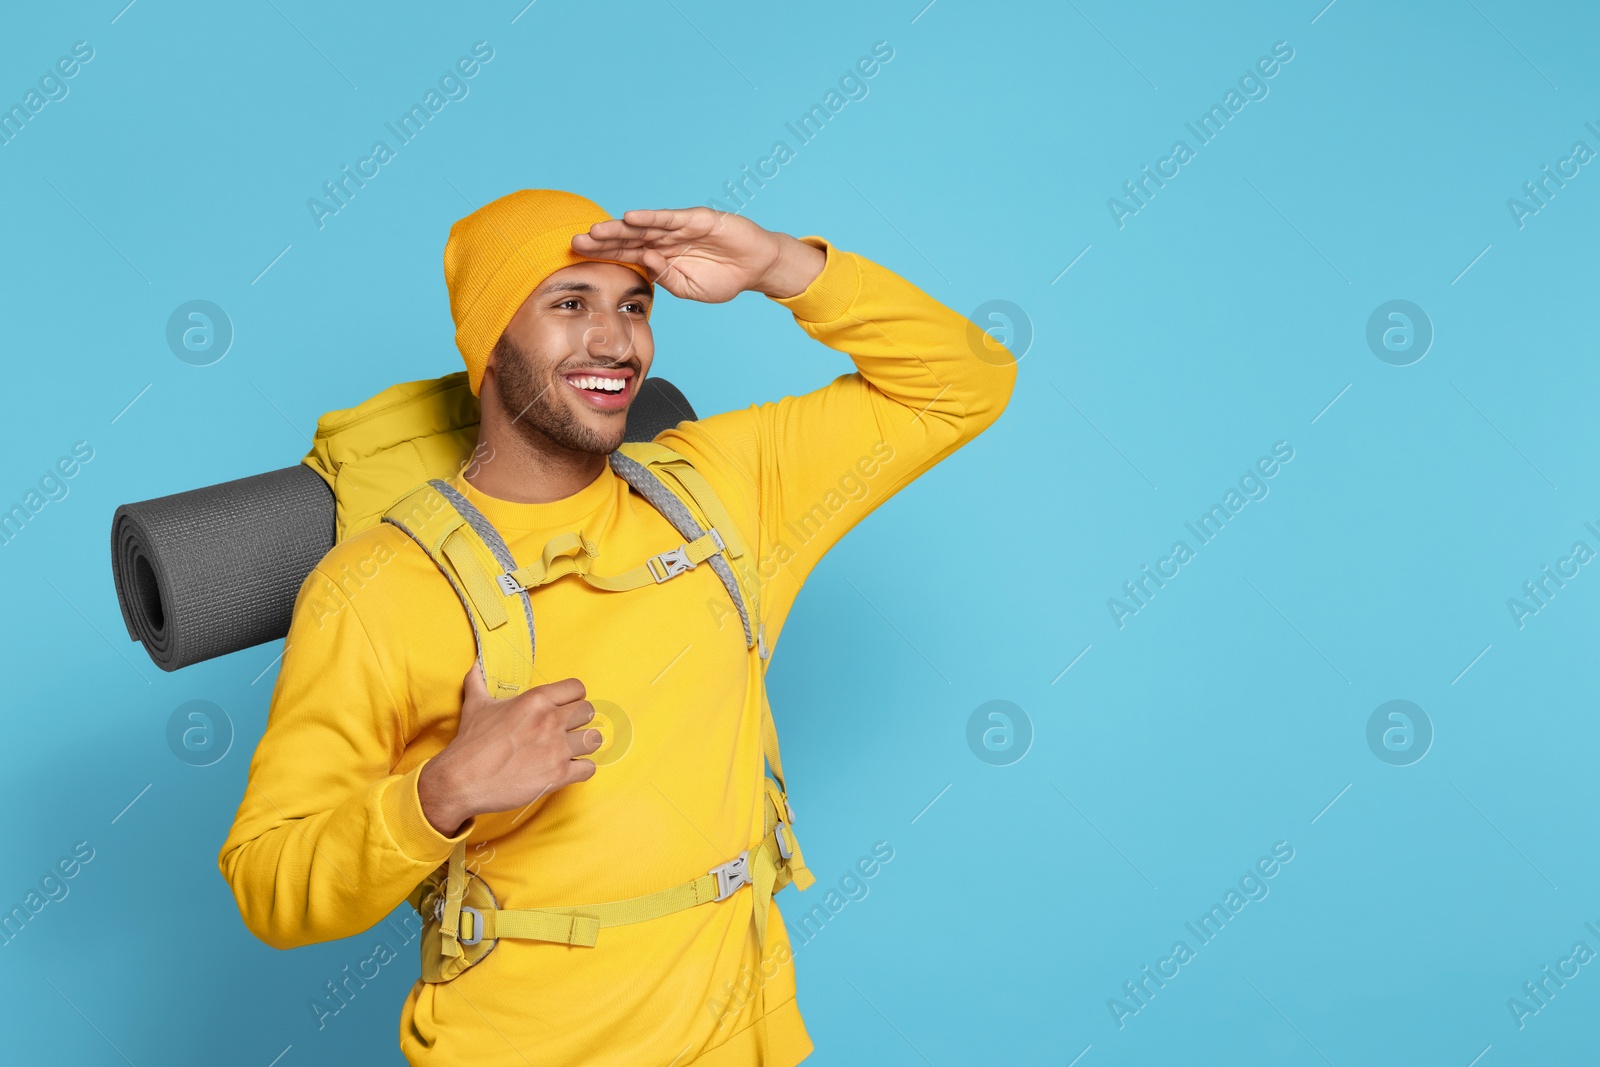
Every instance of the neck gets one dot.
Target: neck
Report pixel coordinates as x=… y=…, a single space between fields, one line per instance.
x=524 y=468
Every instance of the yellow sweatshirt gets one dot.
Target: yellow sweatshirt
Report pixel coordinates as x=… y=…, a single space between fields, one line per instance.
x=330 y=836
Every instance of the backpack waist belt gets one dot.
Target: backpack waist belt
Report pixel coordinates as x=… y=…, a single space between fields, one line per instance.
x=762 y=870
x=463 y=921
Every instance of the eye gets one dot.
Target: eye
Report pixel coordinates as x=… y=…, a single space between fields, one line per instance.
x=634 y=306
x=570 y=302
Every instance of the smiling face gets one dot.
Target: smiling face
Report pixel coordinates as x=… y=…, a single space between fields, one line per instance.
x=571 y=361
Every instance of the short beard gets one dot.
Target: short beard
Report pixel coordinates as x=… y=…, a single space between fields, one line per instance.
x=538 y=415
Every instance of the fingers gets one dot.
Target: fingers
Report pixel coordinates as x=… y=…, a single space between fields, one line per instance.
x=581 y=712
x=669 y=219
x=583 y=742
x=566 y=691
x=569 y=696
x=617 y=230
x=628 y=249
x=473 y=686
x=653 y=261
x=621 y=253
x=656 y=263
x=651 y=226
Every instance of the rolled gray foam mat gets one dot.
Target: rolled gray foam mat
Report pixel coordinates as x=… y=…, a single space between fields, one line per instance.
x=210 y=571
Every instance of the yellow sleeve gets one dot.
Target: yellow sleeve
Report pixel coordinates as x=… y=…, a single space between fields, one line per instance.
x=327 y=841
x=821 y=462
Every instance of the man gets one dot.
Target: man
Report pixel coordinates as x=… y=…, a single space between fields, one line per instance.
x=378 y=759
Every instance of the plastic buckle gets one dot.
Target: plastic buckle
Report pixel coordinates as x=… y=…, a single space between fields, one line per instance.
x=509 y=585
x=716 y=539
x=477 y=925
x=732 y=875
x=672 y=562
x=784 y=850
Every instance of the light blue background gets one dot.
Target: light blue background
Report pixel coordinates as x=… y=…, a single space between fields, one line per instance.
x=1223 y=317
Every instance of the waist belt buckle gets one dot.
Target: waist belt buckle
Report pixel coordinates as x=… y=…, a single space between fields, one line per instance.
x=672 y=562
x=477 y=925
x=732 y=875
x=784 y=851
x=477 y=920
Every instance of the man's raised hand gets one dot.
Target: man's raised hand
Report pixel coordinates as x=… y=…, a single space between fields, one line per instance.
x=700 y=254
x=508 y=753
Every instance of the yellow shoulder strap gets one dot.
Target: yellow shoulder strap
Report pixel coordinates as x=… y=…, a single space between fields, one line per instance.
x=469 y=551
x=690 y=486
x=674 y=471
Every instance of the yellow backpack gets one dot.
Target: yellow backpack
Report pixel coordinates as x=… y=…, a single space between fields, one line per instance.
x=388 y=460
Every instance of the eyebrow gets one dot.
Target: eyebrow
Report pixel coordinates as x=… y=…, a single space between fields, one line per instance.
x=586 y=287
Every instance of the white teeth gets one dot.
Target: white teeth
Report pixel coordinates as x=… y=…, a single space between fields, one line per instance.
x=609 y=385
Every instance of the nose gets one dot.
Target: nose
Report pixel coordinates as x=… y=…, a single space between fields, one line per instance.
x=608 y=335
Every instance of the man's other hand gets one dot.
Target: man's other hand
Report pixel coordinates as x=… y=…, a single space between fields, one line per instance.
x=700 y=254
x=508 y=753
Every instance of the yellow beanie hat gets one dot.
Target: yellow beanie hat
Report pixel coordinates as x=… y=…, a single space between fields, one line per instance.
x=502 y=252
